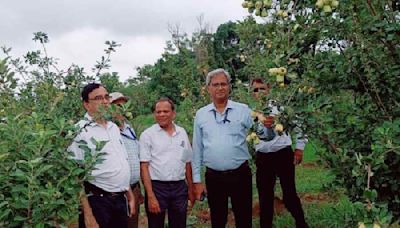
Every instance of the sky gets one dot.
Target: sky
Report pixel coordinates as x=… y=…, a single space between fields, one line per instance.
x=77 y=29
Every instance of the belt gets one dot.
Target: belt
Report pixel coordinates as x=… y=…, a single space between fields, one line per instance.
x=243 y=166
x=167 y=182
x=94 y=190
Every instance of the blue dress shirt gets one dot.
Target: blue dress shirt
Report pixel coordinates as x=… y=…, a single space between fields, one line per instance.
x=219 y=139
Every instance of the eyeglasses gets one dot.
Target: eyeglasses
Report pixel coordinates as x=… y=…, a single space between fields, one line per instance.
x=221 y=84
x=259 y=90
x=100 y=98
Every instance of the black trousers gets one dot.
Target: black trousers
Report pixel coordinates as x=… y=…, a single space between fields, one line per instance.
x=269 y=167
x=109 y=211
x=236 y=185
x=172 y=197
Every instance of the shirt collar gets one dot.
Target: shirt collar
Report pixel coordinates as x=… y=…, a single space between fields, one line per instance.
x=91 y=122
x=158 y=128
x=229 y=105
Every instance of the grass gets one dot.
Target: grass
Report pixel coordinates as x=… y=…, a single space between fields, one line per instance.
x=322 y=207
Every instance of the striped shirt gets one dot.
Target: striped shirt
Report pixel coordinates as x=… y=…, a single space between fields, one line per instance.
x=131 y=144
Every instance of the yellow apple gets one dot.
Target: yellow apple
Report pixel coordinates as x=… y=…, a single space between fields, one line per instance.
x=279 y=128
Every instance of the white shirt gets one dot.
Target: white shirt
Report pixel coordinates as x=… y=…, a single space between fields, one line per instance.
x=112 y=174
x=167 y=155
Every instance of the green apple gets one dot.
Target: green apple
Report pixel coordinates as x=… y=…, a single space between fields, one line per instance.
x=327 y=9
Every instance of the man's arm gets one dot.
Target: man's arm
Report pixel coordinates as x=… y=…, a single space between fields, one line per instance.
x=197 y=160
x=78 y=155
x=90 y=220
x=301 y=141
x=189 y=181
x=154 y=206
x=131 y=202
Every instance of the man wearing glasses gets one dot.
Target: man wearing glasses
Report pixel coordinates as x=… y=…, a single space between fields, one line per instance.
x=109 y=200
x=259 y=88
x=131 y=143
x=275 y=158
x=219 y=143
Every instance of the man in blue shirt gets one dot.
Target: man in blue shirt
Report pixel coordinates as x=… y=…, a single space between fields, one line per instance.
x=219 y=143
x=275 y=158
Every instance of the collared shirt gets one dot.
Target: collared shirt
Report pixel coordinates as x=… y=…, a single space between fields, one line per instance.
x=167 y=155
x=112 y=174
x=271 y=141
x=131 y=143
x=219 y=139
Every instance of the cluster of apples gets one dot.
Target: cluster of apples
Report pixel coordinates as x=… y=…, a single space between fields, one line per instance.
x=307 y=89
x=282 y=13
x=268 y=43
x=242 y=58
x=185 y=92
x=362 y=225
x=258 y=7
x=327 y=5
x=280 y=75
x=252 y=138
x=261 y=118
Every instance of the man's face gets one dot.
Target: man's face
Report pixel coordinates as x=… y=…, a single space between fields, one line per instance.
x=163 y=114
x=97 y=98
x=219 y=87
x=259 y=90
x=119 y=102
x=119 y=116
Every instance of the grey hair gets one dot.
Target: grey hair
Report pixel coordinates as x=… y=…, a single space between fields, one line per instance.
x=215 y=72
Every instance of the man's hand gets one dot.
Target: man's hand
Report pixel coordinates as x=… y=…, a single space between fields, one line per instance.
x=140 y=197
x=298 y=156
x=132 y=208
x=131 y=202
x=154 y=206
x=192 y=197
x=90 y=221
x=198 y=189
x=269 y=121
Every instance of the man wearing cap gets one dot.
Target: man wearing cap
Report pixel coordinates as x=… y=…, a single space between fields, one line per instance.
x=131 y=143
x=165 y=160
x=109 y=200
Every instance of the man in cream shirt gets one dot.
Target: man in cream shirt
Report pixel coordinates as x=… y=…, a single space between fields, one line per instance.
x=108 y=191
x=165 y=156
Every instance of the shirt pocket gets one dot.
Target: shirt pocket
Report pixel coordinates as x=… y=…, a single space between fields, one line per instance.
x=182 y=152
x=234 y=132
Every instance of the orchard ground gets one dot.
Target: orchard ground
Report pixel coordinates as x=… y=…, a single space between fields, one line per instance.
x=324 y=205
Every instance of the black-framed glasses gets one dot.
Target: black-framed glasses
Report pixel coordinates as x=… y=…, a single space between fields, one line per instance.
x=256 y=90
x=100 y=98
x=221 y=84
